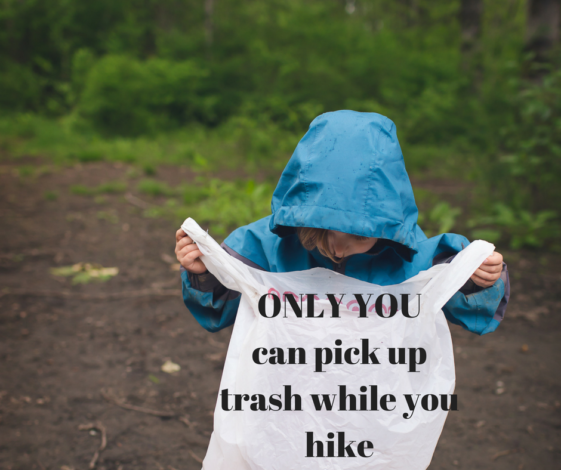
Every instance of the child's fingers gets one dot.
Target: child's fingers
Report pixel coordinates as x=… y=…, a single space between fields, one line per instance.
x=494 y=258
x=484 y=279
x=189 y=258
x=482 y=282
x=182 y=248
x=491 y=268
x=190 y=252
x=486 y=275
x=179 y=234
x=185 y=241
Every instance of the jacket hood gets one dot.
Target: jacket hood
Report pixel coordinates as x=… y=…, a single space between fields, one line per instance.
x=348 y=174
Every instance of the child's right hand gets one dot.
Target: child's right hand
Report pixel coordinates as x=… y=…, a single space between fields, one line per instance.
x=188 y=253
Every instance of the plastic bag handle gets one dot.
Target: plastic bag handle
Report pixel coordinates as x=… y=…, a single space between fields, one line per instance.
x=449 y=280
x=231 y=272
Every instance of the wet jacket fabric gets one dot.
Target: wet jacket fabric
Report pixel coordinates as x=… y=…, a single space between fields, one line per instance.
x=346 y=174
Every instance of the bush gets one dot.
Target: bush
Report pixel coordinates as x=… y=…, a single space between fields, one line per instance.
x=20 y=88
x=528 y=173
x=525 y=175
x=521 y=228
x=124 y=96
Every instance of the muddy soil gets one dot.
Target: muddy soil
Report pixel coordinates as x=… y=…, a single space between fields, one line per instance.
x=74 y=355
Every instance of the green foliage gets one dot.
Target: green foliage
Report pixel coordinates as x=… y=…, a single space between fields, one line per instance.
x=531 y=165
x=222 y=205
x=84 y=273
x=50 y=195
x=519 y=184
x=111 y=187
x=123 y=96
x=135 y=67
x=149 y=169
x=225 y=147
x=109 y=216
x=488 y=234
x=135 y=81
x=81 y=190
x=521 y=227
x=440 y=219
x=20 y=88
x=153 y=379
x=88 y=155
x=229 y=204
x=155 y=188
x=25 y=171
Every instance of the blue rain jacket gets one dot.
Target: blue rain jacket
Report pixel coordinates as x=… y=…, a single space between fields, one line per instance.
x=347 y=174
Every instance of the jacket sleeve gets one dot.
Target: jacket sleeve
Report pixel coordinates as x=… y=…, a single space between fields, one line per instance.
x=213 y=305
x=478 y=309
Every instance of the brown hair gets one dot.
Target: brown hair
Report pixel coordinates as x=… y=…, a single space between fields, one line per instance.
x=317 y=238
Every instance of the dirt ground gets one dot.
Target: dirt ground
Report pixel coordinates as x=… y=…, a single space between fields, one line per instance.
x=75 y=355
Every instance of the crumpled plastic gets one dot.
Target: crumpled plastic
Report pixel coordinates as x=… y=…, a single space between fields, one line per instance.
x=277 y=440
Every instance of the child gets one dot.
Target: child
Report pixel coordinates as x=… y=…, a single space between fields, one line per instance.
x=344 y=202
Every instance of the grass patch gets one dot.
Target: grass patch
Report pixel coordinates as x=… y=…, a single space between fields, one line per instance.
x=50 y=195
x=236 y=144
x=219 y=205
x=155 y=188
x=109 y=216
x=111 y=187
x=25 y=171
x=84 y=273
x=258 y=145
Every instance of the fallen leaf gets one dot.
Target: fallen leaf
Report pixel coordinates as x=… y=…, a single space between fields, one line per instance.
x=154 y=379
x=219 y=356
x=170 y=367
x=168 y=258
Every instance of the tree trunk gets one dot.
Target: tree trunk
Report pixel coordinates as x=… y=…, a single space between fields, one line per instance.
x=542 y=27
x=469 y=16
x=209 y=26
x=470 y=23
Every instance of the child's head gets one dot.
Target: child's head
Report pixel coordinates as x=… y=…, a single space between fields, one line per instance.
x=333 y=244
x=347 y=177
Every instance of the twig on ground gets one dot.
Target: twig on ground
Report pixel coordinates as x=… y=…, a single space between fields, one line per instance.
x=195 y=456
x=187 y=422
x=215 y=343
x=41 y=466
x=97 y=425
x=126 y=406
x=503 y=453
x=80 y=296
x=135 y=201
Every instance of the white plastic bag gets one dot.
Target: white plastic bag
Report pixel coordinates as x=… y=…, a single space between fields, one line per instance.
x=278 y=440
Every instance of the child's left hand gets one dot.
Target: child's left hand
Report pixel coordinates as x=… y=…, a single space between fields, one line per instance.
x=488 y=273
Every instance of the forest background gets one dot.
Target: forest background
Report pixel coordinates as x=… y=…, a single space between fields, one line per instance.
x=473 y=86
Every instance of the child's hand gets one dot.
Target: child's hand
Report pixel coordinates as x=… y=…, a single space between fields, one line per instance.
x=188 y=254
x=488 y=273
